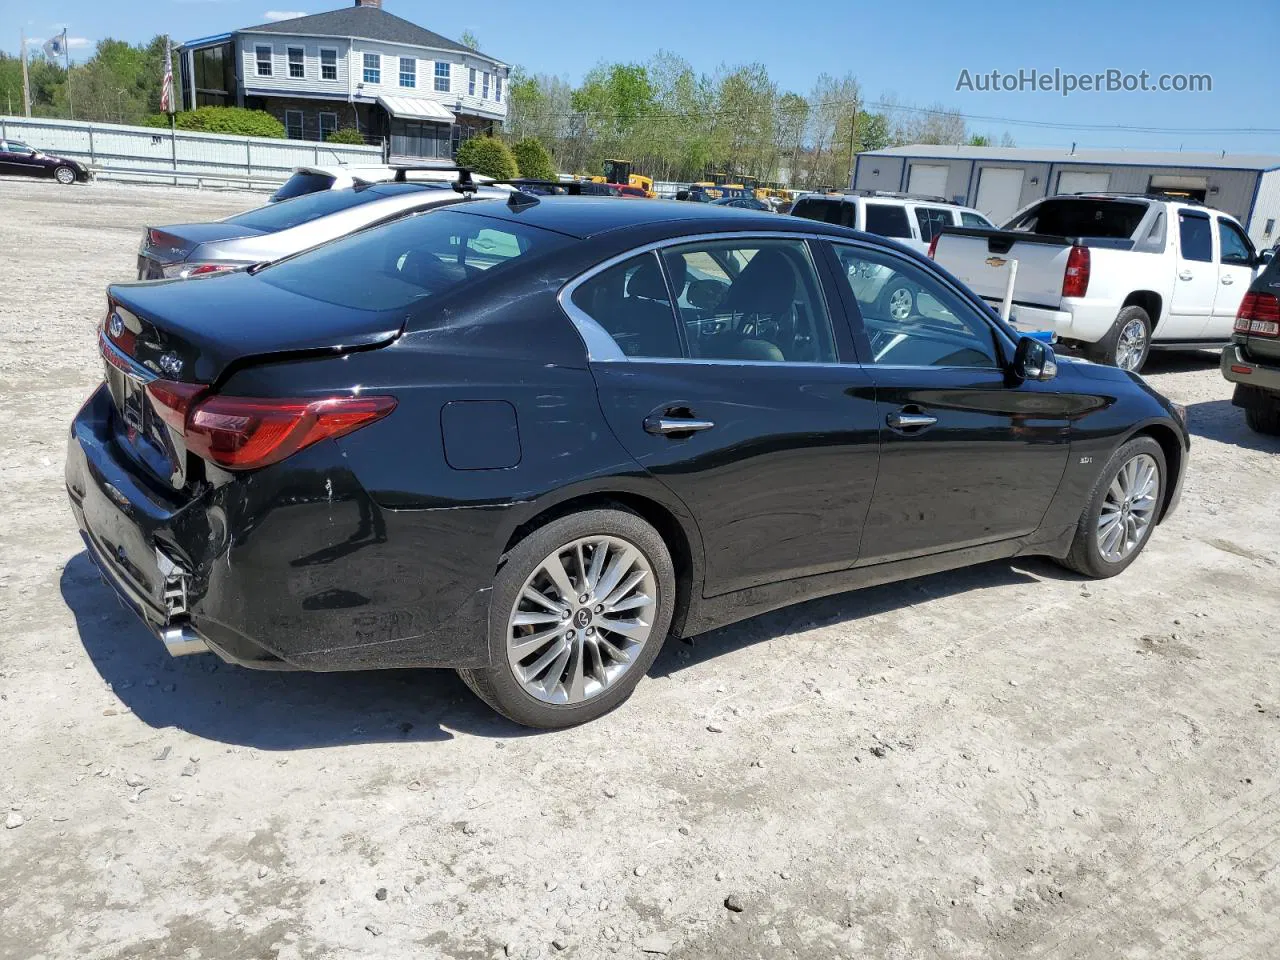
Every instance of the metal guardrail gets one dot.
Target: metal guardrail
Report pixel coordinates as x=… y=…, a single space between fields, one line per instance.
x=180 y=178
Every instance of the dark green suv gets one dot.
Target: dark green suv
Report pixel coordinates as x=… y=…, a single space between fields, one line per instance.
x=1252 y=360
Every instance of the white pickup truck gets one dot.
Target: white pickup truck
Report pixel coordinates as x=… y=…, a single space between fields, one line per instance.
x=1115 y=276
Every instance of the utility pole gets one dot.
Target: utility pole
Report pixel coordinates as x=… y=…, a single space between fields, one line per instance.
x=853 y=136
x=26 y=81
x=66 y=58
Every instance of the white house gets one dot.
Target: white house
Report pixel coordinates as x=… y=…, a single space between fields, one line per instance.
x=359 y=67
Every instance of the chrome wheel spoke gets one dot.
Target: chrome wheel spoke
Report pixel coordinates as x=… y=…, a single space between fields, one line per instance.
x=556 y=650
x=597 y=565
x=560 y=577
x=629 y=603
x=632 y=581
x=617 y=569
x=634 y=629
x=533 y=618
x=538 y=597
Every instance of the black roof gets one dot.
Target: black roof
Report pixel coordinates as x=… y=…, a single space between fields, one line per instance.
x=590 y=216
x=367 y=23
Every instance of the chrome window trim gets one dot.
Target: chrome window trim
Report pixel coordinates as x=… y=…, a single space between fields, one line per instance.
x=602 y=347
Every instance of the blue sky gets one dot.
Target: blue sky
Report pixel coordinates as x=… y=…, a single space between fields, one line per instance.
x=913 y=52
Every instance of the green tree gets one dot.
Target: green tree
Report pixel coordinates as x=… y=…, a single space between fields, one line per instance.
x=469 y=39
x=489 y=157
x=533 y=159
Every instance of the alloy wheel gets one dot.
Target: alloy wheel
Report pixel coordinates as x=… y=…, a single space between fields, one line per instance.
x=1131 y=345
x=64 y=175
x=1129 y=508
x=900 y=303
x=581 y=619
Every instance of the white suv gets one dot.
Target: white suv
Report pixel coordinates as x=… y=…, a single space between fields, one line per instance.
x=908 y=218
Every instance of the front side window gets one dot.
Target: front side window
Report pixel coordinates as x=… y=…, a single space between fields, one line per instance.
x=328 y=64
x=932 y=220
x=408 y=72
x=1236 y=250
x=888 y=220
x=372 y=68
x=750 y=300
x=471 y=82
x=630 y=301
x=1194 y=237
x=262 y=56
x=442 y=77
x=910 y=317
x=968 y=219
x=408 y=261
x=297 y=63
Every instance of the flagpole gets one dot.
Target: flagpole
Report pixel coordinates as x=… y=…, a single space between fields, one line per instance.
x=26 y=82
x=173 y=122
x=66 y=58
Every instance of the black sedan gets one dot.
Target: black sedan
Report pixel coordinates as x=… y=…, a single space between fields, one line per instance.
x=19 y=159
x=530 y=439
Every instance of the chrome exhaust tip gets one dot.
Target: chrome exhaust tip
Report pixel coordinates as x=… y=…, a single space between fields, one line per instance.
x=180 y=640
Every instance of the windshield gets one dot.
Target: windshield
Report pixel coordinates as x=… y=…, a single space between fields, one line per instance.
x=392 y=266
x=1083 y=217
x=304 y=209
x=300 y=184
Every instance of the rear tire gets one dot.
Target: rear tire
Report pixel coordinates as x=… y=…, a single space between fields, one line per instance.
x=1263 y=419
x=1128 y=344
x=1089 y=553
x=64 y=175
x=599 y=666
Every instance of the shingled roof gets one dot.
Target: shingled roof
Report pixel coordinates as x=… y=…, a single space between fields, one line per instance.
x=366 y=23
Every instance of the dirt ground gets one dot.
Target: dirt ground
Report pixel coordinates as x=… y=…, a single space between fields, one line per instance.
x=1005 y=762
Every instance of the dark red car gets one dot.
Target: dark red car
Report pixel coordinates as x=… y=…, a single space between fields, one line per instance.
x=17 y=158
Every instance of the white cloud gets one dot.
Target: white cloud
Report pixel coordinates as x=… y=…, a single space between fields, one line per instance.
x=75 y=43
x=283 y=14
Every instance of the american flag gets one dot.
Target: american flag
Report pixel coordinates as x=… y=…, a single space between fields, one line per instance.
x=166 y=90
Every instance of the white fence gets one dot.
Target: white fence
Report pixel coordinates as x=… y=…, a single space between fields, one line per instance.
x=148 y=153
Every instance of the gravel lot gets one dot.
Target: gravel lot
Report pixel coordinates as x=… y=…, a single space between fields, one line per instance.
x=1004 y=762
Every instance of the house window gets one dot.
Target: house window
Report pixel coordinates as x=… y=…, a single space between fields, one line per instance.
x=263 y=57
x=485 y=94
x=328 y=64
x=442 y=77
x=372 y=68
x=471 y=83
x=497 y=89
x=297 y=65
x=328 y=124
x=408 y=72
x=293 y=124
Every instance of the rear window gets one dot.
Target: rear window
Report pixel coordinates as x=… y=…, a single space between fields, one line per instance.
x=406 y=261
x=825 y=211
x=304 y=209
x=888 y=221
x=1083 y=217
x=303 y=183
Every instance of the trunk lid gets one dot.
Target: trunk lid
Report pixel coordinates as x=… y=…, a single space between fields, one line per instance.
x=980 y=259
x=194 y=331
x=163 y=246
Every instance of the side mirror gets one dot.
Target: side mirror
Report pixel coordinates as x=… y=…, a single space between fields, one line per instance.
x=1034 y=360
x=1266 y=256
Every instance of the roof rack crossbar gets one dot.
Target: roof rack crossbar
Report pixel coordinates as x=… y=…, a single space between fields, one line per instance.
x=464 y=183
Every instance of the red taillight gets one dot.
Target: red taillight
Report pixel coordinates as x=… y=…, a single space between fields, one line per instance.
x=1075 y=282
x=1259 y=315
x=242 y=433
x=209 y=268
x=245 y=433
x=933 y=245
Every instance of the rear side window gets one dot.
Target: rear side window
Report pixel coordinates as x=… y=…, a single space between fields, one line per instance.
x=630 y=301
x=825 y=211
x=301 y=184
x=303 y=209
x=409 y=260
x=932 y=220
x=1083 y=217
x=888 y=221
x=1194 y=237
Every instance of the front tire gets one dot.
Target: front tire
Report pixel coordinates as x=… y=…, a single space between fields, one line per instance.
x=64 y=175
x=1121 y=511
x=1128 y=344
x=579 y=611
x=1263 y=420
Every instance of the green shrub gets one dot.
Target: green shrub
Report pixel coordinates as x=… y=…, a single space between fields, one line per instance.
x=345 y=135
x=533 y=159
x=233 y=120
x=488 y=157
x=156 y=120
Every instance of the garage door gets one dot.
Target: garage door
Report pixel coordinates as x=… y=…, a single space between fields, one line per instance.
x=1076 y=181
x=928 y=180
x=999 y=192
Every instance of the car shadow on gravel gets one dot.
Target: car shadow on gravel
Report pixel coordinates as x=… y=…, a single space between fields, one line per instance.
x=1219 y=420
x=848 y=608
x=268 y=710
x=1180 y=361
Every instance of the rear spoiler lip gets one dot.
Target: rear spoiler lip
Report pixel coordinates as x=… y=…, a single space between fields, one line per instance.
x=1048 y=239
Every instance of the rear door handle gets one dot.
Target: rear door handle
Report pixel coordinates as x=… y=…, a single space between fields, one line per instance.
x=666 y=426
x=1228 y=281
x=903 y=420
x=1185 y=274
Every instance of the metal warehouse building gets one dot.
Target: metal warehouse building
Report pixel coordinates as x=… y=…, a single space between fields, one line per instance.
x=1001 y=180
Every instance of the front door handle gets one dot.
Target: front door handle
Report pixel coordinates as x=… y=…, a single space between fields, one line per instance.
x=905 y=420
x=667 y=426
x=1228 y=280
x=1185 y=274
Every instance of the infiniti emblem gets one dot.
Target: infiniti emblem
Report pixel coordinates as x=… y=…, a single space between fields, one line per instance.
x=582 y=617
x=115 y=326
